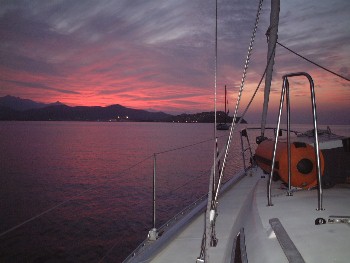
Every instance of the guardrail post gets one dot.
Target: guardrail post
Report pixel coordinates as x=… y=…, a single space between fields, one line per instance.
x=153 y=233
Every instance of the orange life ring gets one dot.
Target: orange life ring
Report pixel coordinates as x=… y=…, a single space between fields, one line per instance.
x=303 y=162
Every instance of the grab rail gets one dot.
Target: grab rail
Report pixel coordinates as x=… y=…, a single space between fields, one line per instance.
x=285 y=91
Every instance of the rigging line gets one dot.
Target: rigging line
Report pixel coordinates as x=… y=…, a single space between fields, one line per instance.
x=257 y=88
x=183 y=147
x=186 y=183
x=215 y=80
x=207 y=237
x=170 y=192
x=67 y=201
x=94 y=187
x=239 y=98
x=215 y=93
x=187 y=146
x=318 y=65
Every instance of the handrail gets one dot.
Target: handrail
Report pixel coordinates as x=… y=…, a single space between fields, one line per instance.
x=285 y=91
x=166 y=231
x=153 y=233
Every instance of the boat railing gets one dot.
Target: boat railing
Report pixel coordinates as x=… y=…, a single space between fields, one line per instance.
x=162 y=230
x=145 y=162
x=165 y=230
x=285 y=93
x=155 y=232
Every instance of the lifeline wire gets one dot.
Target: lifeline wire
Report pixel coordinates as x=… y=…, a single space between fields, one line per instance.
x=183 y=147
x=186 y=183
x=91 y=188
x=66 y=201
x=318 y=65
x=171 y=192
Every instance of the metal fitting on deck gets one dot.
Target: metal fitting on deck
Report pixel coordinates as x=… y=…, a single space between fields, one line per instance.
x=153 y=234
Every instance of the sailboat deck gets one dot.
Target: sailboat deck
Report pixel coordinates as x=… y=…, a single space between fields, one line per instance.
x=316 y=243
x=186 y=246
x=245 y=204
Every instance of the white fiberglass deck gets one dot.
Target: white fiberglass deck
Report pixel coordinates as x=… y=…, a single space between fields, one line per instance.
x=245 y=205
x=297 y=213
x=186 y=246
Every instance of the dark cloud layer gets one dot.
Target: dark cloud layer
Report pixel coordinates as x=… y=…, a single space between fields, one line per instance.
x=160 y=54
x=37 y=86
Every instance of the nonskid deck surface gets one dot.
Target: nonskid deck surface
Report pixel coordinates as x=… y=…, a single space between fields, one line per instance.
x=185 y=247
x=316 y=243
x=245 y=205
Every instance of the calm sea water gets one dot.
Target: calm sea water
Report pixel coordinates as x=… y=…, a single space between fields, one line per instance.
x=100 y=177
x=106 y=170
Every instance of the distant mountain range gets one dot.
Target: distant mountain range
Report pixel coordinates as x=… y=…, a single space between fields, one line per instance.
x=15 y=108
x=19 y=104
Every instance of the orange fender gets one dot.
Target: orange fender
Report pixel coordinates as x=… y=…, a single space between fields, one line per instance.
x=303 y=162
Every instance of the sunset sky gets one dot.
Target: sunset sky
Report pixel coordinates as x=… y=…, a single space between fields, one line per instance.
x=159 y=54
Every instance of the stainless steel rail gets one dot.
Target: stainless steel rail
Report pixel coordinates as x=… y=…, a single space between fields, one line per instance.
x=285 y=91
x=153 y=233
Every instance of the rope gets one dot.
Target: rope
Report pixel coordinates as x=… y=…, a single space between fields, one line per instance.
x=318 y=65
x=203 y=255
x=185 y=146
x=218 y=159
x=212 y=201
x=257 y=88
x=239 y=97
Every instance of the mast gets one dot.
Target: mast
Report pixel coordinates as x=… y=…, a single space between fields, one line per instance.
x=272 y=34
x=225 y=104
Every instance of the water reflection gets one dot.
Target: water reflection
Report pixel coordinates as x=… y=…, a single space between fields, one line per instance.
x=45 y=163
x=94 y=165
